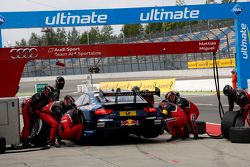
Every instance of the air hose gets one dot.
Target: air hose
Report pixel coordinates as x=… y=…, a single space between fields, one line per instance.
x=217 y=84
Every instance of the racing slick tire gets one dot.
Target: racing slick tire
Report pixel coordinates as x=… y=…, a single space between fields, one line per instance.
x=239 y=135
x=228 y=121
x=40 y=131
x=201 y=127
x=2 y=145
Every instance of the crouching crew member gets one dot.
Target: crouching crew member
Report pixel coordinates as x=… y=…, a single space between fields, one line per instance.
x=175 y=120
x=52 y=114
x=241 y=98
x=189 y=108
x=71 y=127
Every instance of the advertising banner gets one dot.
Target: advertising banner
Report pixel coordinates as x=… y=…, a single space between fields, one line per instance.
x=70 y=18
x=107 y=50
x=165 y=85
x=209 y=63
x=243 y=45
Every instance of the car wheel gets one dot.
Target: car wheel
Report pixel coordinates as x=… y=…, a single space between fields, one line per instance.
x=2 y=145
x=82 y=119
x=239 y=135
x=228 y=121
x=40 y=131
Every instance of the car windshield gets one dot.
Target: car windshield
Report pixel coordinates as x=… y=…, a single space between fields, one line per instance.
x=123 y=99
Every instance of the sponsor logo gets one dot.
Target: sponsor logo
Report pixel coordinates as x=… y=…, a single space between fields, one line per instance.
x=2 y=20
x=237 y=10
x=129 y=122
x=244 y=40
x=62 y=18
x=23 y=53
x=162 y=15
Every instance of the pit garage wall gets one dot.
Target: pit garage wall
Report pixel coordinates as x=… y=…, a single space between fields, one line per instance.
x=242 y=25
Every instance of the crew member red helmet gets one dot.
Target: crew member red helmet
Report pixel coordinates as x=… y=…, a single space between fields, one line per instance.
x=48 y=91
x=171 y=97
x=69 y=100
x=60 y=82
x=228 y=90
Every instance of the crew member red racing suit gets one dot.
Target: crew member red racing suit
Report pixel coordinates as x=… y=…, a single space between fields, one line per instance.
x=33 y=106
x=49 y=114
x=52 y=114
x=70 y=126
x=241 y=98
x=175 y=119
x=192 y=113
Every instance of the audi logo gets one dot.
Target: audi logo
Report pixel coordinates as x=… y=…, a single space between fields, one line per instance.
x=23 y=53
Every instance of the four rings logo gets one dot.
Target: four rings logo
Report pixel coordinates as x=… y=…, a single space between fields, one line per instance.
x=23 y=53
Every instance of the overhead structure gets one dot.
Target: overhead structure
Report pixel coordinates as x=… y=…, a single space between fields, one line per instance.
x=240 y=12
x=13 y=60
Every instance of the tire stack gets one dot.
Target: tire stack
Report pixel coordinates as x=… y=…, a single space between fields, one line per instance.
x=232 y=128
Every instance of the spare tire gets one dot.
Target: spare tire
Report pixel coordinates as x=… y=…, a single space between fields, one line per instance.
x=228 y=121
x=2 y=145
x=40 y=131
x=239 y=135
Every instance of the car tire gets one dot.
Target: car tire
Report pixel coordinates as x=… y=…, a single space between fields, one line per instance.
x=2 y=145
x=201 y=127
x=40 y=131
x=82 y=119
x=239 y=135
x=228 y=121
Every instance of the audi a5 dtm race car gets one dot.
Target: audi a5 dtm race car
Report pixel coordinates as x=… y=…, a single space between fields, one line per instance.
x=120 y=113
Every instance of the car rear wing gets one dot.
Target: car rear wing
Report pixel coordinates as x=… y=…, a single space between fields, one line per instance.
x=118 y=93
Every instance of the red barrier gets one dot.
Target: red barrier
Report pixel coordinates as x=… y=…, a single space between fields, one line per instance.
x=13 y=60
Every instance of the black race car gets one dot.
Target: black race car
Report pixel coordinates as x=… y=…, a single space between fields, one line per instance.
x=120 y=113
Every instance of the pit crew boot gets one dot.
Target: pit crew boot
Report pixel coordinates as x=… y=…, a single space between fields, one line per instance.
x=173 y=138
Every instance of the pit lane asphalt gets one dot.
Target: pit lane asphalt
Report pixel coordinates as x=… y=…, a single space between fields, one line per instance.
x=133 y=152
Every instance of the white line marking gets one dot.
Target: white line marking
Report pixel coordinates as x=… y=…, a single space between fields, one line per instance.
x=212 y=123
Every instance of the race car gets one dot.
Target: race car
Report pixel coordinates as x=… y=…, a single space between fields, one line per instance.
x=112 y=113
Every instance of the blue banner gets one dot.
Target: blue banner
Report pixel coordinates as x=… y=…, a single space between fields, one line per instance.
x=242 y=25
x=69 y=18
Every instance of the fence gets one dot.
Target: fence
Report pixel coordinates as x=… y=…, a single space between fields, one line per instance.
x=222 y=30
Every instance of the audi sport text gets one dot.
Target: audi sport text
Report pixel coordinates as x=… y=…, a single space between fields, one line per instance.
x=162 y=14
x=62 y=19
